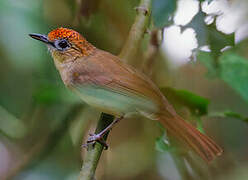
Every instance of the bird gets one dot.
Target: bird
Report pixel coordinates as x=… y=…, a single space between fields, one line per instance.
x=105 y=82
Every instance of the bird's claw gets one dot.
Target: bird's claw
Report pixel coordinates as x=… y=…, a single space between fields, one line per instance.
x=93 y=138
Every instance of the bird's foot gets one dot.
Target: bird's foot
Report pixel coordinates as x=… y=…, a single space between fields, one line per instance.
x=95 y=138
x=99 y=137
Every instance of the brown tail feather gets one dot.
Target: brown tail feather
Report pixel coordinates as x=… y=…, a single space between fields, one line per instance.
x=185 y=132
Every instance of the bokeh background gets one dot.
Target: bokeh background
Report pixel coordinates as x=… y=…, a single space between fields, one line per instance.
x=200 y=62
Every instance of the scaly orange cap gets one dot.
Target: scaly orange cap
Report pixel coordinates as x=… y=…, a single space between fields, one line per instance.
x=64 y=33
x=78 y=41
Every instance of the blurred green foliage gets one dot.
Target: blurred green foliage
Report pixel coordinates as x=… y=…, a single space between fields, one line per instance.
x=162 y=11
x=196 y=104
x=234 y=71
x=198 y=24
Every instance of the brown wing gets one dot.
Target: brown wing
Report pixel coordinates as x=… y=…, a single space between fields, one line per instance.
x=105 y=69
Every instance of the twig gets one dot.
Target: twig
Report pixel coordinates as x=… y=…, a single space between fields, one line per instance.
x=128 y=52
x=137 y=31
x=151 y=53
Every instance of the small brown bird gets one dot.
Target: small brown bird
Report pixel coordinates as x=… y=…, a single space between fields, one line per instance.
x=105 y=82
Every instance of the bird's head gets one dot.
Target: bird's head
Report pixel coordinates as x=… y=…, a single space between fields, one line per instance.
x=65 y=44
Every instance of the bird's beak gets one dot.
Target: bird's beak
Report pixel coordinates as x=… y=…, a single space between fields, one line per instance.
x=40 y=37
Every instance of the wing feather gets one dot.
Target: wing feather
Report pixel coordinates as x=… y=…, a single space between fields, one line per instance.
x=106 y=70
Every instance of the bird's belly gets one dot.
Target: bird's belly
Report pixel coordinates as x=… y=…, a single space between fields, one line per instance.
x=114 y=102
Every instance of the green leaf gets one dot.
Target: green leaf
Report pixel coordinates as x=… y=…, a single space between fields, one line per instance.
x=234 y=71
x=229 y=114
x=218 y=40
x=207 y=60
x=161 y=12
x=209 y=35
x=200 y=27
x=198 y=105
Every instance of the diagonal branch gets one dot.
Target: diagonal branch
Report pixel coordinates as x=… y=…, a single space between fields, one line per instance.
x=128 y=52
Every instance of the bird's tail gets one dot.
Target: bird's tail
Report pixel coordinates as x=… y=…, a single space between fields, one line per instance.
x=186 y=133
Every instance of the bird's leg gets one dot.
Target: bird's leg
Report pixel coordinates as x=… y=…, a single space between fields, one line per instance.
x=99 y=137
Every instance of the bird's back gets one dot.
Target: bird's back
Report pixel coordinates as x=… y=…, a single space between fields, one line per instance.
x=104 y=78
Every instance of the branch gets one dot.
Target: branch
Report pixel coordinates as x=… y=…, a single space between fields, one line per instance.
x=93 y=155
x=152 y=51
x=128 y=52
x=137 y=31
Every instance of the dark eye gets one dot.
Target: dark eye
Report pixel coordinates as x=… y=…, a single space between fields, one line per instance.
x=62 y=44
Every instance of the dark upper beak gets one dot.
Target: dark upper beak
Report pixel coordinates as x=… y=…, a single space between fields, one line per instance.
x=40 y=37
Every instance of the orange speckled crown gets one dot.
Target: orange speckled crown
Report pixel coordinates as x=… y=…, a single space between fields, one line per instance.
x=81 y=44
x=61 y=33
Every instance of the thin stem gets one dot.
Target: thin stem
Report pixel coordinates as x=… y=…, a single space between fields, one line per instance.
x=128 y=52
x=94 y=152
x=137 y=31
x=151 y=53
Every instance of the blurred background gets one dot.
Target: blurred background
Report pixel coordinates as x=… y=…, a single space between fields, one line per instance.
x=196 y=52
